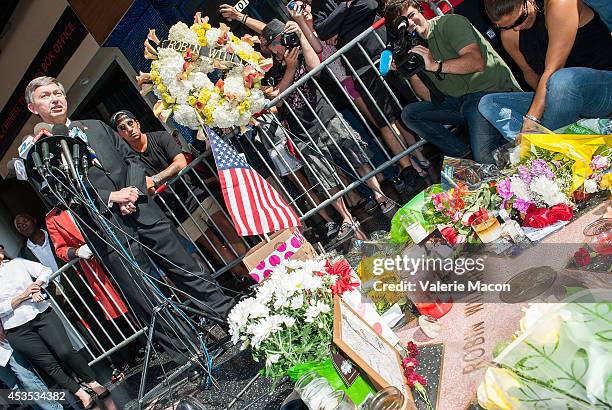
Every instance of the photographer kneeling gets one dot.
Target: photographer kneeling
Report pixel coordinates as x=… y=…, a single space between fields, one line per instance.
x=460 y=67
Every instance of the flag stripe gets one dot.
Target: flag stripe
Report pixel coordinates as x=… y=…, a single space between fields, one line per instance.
x=254 y=205
x=282 y=214
x=247 y=201
x=293 y=218
x=274 y=216
x=229 y=196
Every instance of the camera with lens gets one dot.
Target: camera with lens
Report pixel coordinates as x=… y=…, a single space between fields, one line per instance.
x=290 y=40
x=407 y=62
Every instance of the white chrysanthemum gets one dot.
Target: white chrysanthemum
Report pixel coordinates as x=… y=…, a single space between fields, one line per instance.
x=212 y=35
x=186 y=116
x=225 y=115
x=297 y=301
x=518 y=187
x=548 y=190
x=200 y=81
x=181 y=32
x=315 y=309
x=257 y=100
x=271 y=359
x=234 y=85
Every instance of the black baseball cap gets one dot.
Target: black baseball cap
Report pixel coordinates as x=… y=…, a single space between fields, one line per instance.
x=119 y=116
x=272 y=29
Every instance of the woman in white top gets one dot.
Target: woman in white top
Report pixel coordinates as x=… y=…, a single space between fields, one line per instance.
x=34 y=329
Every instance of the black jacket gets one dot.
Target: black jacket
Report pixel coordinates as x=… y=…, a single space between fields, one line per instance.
x=331 y=18
x=121 y=168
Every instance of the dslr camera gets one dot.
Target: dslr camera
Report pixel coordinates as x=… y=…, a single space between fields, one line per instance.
x=290 y=40
x=407 y=62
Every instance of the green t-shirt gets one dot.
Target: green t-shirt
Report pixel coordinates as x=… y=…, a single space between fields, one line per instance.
x=449 y=34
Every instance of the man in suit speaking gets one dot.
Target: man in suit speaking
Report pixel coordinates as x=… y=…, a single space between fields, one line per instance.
x=121 y=187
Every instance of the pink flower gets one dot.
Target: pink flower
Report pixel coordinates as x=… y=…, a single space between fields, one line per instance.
x=521 y=205
x=599 y=163
x=503 y=189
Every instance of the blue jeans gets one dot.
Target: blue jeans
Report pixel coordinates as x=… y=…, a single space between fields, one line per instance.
x=18 y=374
x=428 y=120
x=604 y=9
x=571 y=93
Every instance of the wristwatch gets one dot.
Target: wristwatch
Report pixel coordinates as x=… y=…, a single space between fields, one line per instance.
x=156 y=180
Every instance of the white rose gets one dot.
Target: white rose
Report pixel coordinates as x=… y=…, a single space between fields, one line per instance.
x=590 y=186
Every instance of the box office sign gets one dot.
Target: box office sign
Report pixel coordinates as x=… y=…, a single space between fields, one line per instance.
x=55 y=52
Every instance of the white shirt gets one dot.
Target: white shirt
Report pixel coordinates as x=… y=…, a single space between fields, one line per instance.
x=15 y=276
x=6 y=351
x=44 y=252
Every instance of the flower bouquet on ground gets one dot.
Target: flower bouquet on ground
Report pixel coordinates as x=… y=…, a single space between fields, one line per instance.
x=561 y=358
x=204 y=75
x=288 y=324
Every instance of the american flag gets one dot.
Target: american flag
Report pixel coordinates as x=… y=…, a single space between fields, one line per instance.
x=255 y=207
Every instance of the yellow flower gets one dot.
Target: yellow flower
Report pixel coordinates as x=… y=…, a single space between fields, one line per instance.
x=168 y=99
x=543 y=322
x=204 y=96
x=208 y=119
x=243 y=107
x=495 y=392
x=161 y=88
x=191 y=100
x=606 y=181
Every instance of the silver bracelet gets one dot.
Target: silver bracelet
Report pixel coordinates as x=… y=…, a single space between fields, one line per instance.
x=532 y=118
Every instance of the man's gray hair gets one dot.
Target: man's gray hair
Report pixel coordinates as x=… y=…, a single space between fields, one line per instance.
x=40 y=82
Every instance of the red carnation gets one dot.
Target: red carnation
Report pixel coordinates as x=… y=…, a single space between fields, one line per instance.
x=345 y=277
x=481 y=213
x=561 y=212
x=582 y=257
x=449 y=234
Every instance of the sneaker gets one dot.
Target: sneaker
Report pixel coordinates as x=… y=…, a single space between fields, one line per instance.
x=398 y=184
x=332 y=228
x=386 y=206
x=414 y=182
x=345 y=231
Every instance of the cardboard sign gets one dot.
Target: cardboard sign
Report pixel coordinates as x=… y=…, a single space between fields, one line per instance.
x=283 y=245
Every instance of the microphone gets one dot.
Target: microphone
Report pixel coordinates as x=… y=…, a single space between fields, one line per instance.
x=68 y=158
x=76 y=154
x=37 y=162
x=42 y=127
x=60 y=130
x=46 y=155
x=386 y=58
x=16 y=169
x=26 y=143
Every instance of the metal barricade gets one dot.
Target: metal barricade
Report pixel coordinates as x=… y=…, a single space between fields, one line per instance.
x=199 y=213
x=89 y=325
x=212 y=231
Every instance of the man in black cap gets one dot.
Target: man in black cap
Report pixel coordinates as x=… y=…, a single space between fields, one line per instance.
x=120 y=184
x=189 y=202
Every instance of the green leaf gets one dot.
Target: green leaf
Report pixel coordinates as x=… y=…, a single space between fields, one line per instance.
x=530 y=362
x=580 y=364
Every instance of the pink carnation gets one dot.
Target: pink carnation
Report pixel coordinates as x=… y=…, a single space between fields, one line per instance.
x=599 y=163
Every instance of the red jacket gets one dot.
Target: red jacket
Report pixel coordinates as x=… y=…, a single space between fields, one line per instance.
x=64 y=234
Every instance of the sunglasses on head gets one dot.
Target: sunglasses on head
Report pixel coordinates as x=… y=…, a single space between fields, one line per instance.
x=520 y=20
x=123 y=127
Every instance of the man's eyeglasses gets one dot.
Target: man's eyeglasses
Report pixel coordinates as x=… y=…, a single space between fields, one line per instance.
x=130 y=123
x=520 y=20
